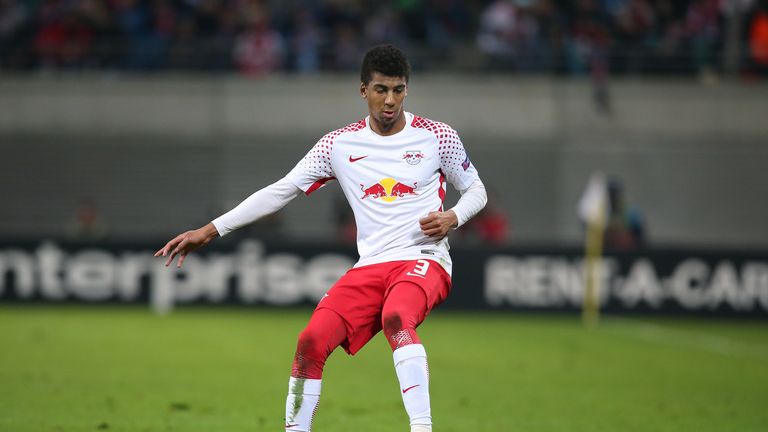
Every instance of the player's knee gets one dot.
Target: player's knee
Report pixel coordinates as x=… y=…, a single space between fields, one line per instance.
x=392 y=322
x=398 y=330
x=309 y=359
x=308 y=345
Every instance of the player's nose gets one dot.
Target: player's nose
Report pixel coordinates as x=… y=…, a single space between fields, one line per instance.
x=390 y=99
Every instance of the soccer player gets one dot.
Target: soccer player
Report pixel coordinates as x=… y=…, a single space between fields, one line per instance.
x=392 y=167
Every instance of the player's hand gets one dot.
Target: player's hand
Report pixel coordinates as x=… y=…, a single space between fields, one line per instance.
x=438 y=224
x=185 y=243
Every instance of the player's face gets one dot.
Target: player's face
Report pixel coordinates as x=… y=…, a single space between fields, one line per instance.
x=385 y=96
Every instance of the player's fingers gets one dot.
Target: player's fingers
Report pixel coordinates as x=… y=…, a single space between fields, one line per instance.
x=429 y=217
x=433 y=217
x=427 y=220
x=170 y=245
x=181 y=246
x=164 y=250
x=182 y=257
x=438 y=228
x=181 y=250
x=173 y=252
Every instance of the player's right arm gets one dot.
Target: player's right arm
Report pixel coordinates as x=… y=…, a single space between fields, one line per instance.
x=262 y=203
x=311 y=173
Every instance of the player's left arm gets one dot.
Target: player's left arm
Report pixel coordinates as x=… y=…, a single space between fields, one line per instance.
x=439 y=224
x=462 y=174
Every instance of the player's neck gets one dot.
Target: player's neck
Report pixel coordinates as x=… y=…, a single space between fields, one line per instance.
x=386 y=130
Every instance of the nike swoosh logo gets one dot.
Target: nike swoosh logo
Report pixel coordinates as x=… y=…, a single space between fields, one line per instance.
x=413 y=386
x=351 y=159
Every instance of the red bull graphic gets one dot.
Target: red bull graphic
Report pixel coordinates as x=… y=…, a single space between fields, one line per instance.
x=388 y=190
x=375 y=191
x=401 y=189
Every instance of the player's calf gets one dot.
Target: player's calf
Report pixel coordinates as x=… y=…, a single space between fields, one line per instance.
x=413 y=373
x=325 y=331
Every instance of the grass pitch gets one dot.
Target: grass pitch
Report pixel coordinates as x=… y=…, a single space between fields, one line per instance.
x=123 y=369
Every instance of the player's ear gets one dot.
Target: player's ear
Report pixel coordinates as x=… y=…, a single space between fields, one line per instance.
x=363 y=90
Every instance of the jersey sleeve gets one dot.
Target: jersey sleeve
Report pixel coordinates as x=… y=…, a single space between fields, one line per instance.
x=261 y=203
x=315 y=169
x=454 y=160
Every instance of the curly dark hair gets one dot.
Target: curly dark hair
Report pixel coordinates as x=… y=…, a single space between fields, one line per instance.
x=387 y=60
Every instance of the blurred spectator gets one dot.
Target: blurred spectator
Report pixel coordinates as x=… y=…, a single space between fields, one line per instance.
x=14 y=18
x=497 y=33
x=259 y=37
x=383 y=27
x=668 y=36
x=635 y=24
x=258 y=49
x=183 y=52
x=98 y=18
x=624 y=227
x=551 y=24
x=588 y=50
x=447 y=22
x=63 y=40
x=132 y=22
x=304 y=41
x=529 y=41
x=87 y=224
x=413 y=14
x=347 y=49
x=516 y=35
x=702 y=27
x=489 y=227
x=758 y=39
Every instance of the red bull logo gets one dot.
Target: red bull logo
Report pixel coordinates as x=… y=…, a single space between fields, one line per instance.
x=388 y=190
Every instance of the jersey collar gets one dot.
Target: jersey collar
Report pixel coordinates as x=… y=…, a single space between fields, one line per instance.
x=408 y=121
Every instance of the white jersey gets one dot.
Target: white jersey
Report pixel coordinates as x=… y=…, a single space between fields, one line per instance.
x=390 y=182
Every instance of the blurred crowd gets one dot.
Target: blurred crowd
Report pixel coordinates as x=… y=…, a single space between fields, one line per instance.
x=261 y=36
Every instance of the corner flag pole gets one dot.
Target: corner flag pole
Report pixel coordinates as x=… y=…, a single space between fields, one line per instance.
x=593 y=251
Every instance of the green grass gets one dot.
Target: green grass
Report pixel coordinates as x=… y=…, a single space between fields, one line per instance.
x=123 y=369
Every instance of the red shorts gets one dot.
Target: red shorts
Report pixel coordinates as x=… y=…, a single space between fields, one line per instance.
x=358 y=297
